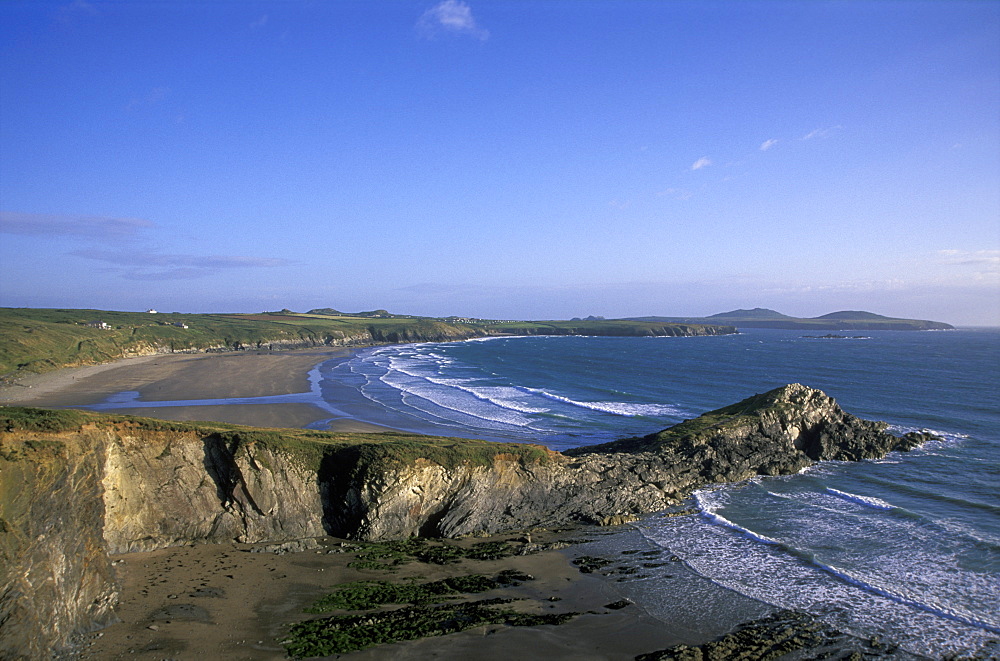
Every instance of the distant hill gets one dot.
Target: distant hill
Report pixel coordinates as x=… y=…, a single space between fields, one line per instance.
x=756 y=313
x=852 y=314
x=370 y=314
x=843 y=320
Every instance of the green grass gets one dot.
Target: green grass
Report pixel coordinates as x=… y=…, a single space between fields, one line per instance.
x=691 y=432
x=603 y=327
x=358 y=451
x=38 y=340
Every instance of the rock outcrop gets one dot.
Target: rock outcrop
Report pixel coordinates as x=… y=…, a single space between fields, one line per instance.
x=166 y=489
x=776 y=433
x=76 y=487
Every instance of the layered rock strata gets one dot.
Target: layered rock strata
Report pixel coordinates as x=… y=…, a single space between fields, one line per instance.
x=71 y=497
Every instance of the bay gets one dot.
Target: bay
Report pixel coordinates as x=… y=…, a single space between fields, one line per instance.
x=906 y=548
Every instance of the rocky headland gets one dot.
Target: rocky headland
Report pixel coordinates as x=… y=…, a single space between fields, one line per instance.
x=78 y=487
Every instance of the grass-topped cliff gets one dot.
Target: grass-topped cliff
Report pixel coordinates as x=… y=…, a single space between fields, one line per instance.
x=42 y=428
x=38 y=340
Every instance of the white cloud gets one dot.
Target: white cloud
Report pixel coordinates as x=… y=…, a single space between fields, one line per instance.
x=767 y=144
x=451 y=16
x=977 y=265
x=259 y=23
x=970 y=257
x=822 y=132
x=702 y=162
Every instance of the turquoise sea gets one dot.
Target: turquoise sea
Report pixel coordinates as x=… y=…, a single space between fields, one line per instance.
x=906 y=548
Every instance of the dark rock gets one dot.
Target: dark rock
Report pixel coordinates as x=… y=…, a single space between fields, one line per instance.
x=770 y=637
x=618 y=605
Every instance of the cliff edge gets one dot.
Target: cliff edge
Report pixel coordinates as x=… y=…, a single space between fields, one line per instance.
x=76 y=487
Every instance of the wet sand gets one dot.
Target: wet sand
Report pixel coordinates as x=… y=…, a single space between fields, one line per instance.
x=179 y=377
x=223 y=602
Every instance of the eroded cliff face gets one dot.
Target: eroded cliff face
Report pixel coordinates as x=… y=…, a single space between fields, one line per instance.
x=70 y=498
x=165 y=489
x=55 y=574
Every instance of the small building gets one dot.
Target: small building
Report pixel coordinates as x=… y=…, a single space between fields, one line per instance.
x=180 y=324
x=151 y=311
x=98 y=324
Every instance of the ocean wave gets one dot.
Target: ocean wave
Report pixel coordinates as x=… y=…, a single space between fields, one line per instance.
x=449 y=400
x=868 y=501
x=629 y=409
x=782 y=575
x=500 y=396
x=898 y=597
x=964 y=501
x=946 y=438
x=708 y=512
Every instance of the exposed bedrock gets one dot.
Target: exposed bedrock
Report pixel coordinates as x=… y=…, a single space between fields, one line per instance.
x=776 y=433
x=71 y=497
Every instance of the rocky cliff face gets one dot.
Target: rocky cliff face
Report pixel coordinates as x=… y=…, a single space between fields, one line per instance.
x=777 y=433
x=71 y=496
x=165 y=489
x=55 y=574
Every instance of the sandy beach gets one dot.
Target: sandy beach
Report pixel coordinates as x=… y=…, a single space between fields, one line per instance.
x=179 y=377
x=224 y=602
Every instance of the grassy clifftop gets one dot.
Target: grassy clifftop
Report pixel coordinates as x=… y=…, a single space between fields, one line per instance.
x=38 y=340
x=308 y=447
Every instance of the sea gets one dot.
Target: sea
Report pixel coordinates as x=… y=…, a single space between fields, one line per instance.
x=905 y=548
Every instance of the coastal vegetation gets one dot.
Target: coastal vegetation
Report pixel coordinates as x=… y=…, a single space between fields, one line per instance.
x=347 y=633
x=308 y=448
x=38 y=340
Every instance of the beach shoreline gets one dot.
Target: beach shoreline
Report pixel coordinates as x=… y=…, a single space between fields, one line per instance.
x=173 y=379
x=226 y=602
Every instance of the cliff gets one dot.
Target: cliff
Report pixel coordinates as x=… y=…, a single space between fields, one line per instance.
x=76 y=487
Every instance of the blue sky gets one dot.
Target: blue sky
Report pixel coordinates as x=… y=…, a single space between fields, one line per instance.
x=502 y=159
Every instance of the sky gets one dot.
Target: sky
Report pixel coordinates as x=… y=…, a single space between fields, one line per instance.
x=502 y=159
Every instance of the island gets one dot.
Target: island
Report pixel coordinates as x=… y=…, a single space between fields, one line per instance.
x=843 y=320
